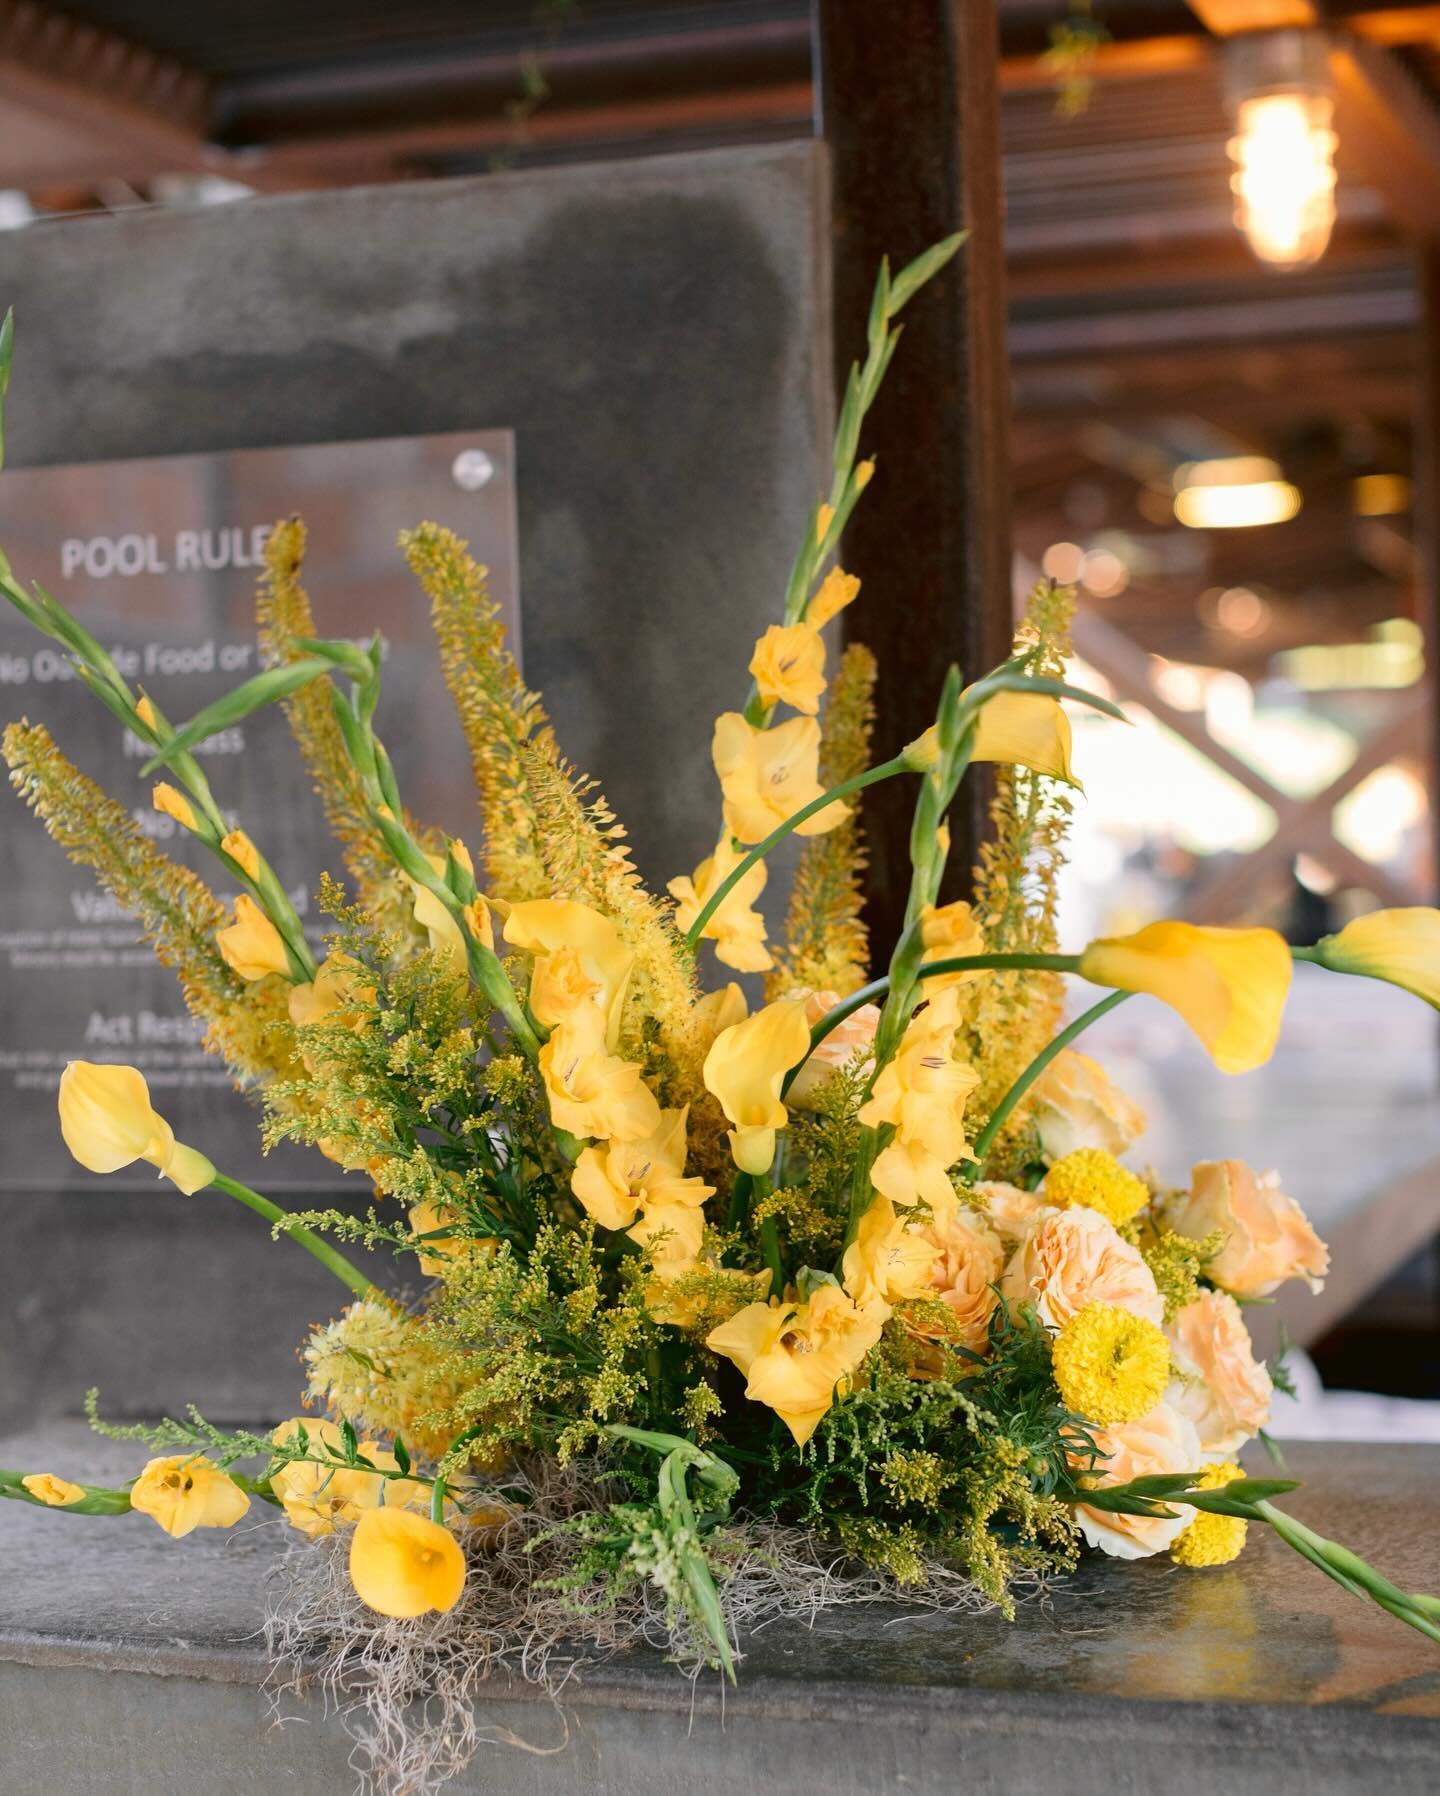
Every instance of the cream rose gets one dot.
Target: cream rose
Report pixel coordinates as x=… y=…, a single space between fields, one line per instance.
x=1010 y=1210
x=968 y=1261
x=1223 y=1389
x=1162 y=1441
x=838 y=1049
x=1075 y=1104
x=1267 y=1236
x=1075 y=1257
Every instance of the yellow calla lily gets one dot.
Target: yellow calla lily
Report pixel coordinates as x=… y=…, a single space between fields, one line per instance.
x=745 y=1069
x=1229 y=985
x=107 y=1121
x=768 y=775
x=404 y=1564
x=546 y=925
x=1026 y=729
x=1401 y=947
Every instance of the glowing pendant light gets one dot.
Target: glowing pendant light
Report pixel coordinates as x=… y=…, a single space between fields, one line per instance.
x=1278 y=89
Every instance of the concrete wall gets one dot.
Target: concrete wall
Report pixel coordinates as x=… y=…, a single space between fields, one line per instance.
x=655 y=333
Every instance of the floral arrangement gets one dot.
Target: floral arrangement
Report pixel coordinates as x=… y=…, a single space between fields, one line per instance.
x=707 y=1311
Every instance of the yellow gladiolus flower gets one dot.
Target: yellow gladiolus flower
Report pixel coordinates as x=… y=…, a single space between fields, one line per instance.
x=1401 y=947
x=1229 y=985
x=592 y=1093
x=57 y=1493
x=1025 y=729
x=107 y=1121
x=889 y=1259
x=922 y=1092
x=339 y=981
x=795 y=1355
x=243 y=852
x=837 y=590
x=185 y=1493
x=426 y=1218
x=745 y=1069
x=172 y=803
x=617 y=1182
x=437 y=919
x=252 y=945
x=546 y=925
x=908 y=1174
x=736 y=928
x=768 y=775
x=948 y=933
x=404 y=1564
x=789 y=666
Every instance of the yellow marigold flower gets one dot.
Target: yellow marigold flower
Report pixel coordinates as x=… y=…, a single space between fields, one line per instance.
x=789 y=667
x=1025 y=729
x=736 y=928
x=1229 y=985
x=56 y=1492
x=889 y=1259
x=745 y=1069
x=768 y=775
x=544 y=926
x=620 y=1181
x=252 y=944
x=837 y=590
x=339 y=981
x=184 y=1493
x=795 y=1355
x=404 y=1564
x=1111 y=1365
x=948 y=933
x=173 y=803
x=1212 y=1539
x=594 y=1094
x=1092 y=1177
x=922 y=1091
x=107 y=1121
x=1399 y=946
x=243 y=852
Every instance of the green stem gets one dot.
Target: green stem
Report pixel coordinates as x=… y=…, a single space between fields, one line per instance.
x=322 y=1250
x=437 y=1501
x=985 y=1140
x=959 y=963
x=886 y=770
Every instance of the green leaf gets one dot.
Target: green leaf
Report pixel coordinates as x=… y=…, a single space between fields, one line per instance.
x=345 y=655
x=402 y=1455
x=255 y=693
x=925 y=267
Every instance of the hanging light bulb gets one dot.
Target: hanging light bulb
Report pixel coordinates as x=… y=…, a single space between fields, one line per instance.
x=1278 y=88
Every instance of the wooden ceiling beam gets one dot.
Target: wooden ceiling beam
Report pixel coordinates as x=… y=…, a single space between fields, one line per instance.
x=1391 y=133
x=1228 y=18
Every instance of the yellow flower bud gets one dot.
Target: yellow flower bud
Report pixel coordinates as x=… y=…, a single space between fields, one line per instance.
x=864 y=474
x=107 y=1122
x=834 y=593
x=404 y=1564
x=145 y=711
x=171 y=803
x=824 y=517
x=252 y=945
x=185 y=1493
x=243 y=852
x=1400 y=946
x=923 y=753
x=56 y=1492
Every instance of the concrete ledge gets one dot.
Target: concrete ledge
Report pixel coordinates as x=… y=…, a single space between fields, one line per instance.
x=129 y=1663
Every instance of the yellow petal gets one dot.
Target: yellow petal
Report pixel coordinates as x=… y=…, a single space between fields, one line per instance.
x=57 y=1493
x=789 y=667
x=1026 y=729
x=1229 y=985
x=187 y=1492
x=243 y=852
x=252 y=945
x=835 y=592
x=403 y=1564
x=171 y=803
x=544 y=925
x=745 y=1069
